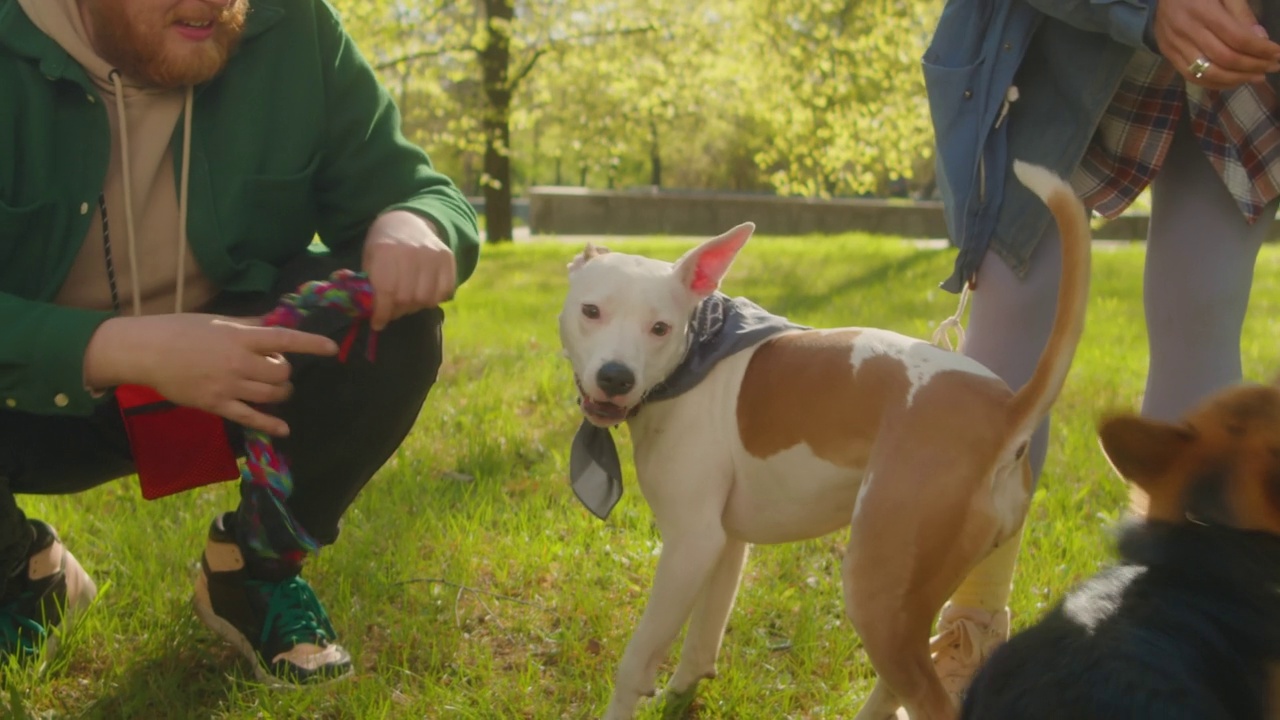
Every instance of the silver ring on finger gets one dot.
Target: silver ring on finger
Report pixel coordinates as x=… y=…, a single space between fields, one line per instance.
x=1199 y=67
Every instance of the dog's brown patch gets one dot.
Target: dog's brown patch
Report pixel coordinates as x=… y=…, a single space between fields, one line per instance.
x=1220 y=465
x=801 y=388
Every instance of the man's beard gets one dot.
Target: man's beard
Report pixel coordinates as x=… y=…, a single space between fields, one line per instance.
x=135 y=44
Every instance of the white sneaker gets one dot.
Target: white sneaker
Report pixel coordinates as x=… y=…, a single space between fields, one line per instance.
x=966 y=638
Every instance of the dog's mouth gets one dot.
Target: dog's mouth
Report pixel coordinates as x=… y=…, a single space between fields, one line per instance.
x=600 y=412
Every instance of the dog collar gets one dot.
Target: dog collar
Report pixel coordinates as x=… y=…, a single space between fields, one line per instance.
x=721 y=326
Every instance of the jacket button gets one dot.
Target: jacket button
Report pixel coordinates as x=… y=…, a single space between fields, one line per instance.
x=84 y=208
x=968 y=94
x=90 y=98
x=61 y=399
x=10 y=402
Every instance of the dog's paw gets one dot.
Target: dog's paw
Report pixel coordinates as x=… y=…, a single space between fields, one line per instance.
x=676 y=704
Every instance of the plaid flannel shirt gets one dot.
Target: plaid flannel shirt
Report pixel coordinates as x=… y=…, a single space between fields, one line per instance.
x=1237 y=129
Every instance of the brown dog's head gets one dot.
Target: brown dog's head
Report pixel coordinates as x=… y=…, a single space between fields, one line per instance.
x=1219 y=465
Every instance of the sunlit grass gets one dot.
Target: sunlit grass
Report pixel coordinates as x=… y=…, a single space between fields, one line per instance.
x=468 y=581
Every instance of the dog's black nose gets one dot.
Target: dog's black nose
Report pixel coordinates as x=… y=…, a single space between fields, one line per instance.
x=615 y=379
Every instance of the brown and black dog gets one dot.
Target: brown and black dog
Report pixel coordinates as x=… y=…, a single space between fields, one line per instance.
x=1188 y=624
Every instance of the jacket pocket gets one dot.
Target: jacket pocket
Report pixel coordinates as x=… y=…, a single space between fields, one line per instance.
x=954 y=106
x=18 y=221
x=23 y=227
x=274 y=216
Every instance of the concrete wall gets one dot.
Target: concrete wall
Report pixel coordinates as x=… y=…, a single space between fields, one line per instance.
x=519 y=207
x=580 y=211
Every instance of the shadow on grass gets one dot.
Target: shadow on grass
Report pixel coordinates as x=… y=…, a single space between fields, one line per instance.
x=178 y=682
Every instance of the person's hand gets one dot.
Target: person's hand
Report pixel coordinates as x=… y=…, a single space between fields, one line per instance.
x=409 y=266
x=213 y=363
x=1223 y=33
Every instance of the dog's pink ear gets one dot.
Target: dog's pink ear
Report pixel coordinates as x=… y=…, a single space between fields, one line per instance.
x=1143 y=450
x=589 y=252
x=702 y=268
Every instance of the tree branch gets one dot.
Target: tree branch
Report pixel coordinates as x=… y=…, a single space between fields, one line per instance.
x=541 y=50
x=527 y=67
x=423 y=55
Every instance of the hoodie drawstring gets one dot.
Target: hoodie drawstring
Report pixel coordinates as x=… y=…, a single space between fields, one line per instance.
x=184 y=177
x=114 y=76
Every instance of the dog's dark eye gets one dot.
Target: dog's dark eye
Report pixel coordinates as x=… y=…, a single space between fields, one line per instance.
x=660 y=329
x=591 y=311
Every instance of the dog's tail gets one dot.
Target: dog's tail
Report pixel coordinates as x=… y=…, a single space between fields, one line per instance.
x=1031 y=403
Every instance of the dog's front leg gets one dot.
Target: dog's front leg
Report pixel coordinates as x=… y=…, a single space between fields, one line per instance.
x=683 y=568
x=706 y=628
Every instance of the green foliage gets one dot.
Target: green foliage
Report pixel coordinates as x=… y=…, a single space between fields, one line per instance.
x=847 y=111
x=16 y=710
x=810 y=98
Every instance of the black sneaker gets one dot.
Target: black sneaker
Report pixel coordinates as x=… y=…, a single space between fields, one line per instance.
x=49 y=594
x=279 y=625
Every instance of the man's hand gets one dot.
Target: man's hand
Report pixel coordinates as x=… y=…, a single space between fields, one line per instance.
x=409 y=266
x=208 y=362
x=1223 y=32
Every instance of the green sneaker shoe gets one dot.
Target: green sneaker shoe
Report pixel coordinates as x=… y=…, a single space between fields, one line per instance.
x=280 y=626
x=49 y=595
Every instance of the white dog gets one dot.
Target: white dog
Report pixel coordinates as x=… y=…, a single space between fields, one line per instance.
x=921 y=452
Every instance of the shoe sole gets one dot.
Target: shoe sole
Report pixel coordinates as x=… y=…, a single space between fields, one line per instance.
x=204 y=611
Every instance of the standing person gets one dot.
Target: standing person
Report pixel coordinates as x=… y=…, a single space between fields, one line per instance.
x=1117 y=95
x=166 y=165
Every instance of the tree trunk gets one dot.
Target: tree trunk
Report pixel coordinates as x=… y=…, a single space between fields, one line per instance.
x=655 y=156
x=495 y=61
x=534 y=156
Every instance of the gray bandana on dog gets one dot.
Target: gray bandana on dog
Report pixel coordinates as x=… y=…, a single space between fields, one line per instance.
x=721 y=326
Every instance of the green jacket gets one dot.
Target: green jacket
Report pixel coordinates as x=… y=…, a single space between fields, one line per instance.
x=296 y=137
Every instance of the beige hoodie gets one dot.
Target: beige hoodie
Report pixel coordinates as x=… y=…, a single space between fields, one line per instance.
x=151 y=119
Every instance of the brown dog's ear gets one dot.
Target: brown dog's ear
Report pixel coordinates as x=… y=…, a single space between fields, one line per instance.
x=590 y=252
x=1142 y=450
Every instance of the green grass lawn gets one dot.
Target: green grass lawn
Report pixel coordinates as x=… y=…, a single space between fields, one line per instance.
x=468 y=581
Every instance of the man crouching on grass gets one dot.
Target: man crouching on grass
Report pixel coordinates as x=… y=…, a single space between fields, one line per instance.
x=164 y=166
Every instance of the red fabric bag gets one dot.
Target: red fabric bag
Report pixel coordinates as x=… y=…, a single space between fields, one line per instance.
x=175 y=448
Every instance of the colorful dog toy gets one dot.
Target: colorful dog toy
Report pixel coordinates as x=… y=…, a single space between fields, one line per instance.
x=265 y=467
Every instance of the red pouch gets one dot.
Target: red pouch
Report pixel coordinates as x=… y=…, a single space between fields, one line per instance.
x=175 y=448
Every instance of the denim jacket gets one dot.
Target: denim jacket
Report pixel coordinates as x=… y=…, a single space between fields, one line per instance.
x=1026 y=80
